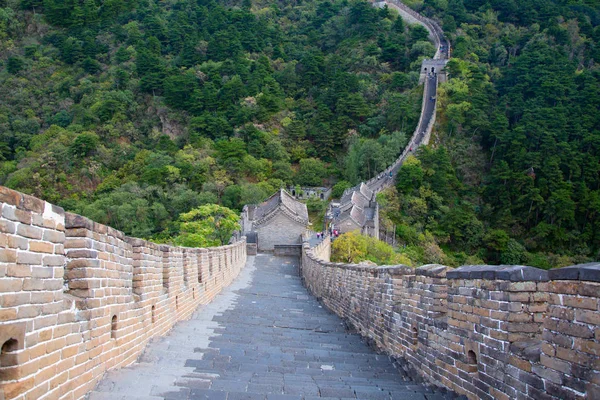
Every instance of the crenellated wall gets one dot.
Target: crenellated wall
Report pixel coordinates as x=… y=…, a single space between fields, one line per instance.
x=78 y=298
x=489 y=332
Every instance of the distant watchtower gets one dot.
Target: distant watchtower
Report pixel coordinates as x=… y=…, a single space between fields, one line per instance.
x=430 y=66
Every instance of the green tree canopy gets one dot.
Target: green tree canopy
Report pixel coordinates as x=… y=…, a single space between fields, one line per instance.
x=206 y=226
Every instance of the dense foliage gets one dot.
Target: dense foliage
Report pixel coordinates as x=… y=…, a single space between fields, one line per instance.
x=520 y=179
x=206 y=226
x=133 y=112
x=352 y=247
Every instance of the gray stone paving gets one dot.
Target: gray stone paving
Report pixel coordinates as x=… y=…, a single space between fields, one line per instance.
x=263 y=338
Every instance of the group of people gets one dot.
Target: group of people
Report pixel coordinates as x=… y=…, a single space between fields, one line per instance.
x=333 y=233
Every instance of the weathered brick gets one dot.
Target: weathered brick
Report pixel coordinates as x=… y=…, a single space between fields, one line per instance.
x=523 y=327
x=17 y=242
x=79 y=243
x=82 y=254
x=587 y=346
x=573 y=329
x=7 y=226
x=8 y=314
x=593 y=391
x=53 y=236
x=9 y=196
x=518 y=297
x=33 y=204
x=589 y=317
x=548 y=374
x=8 y=256
x=557 y=338
x=522 y=287
x=573 y=356
x=24 y=257
x=590 y=289
x=520 y=317
x=564 y=287
x=14 y=389
x=28 y=311
x=581 y=302
x=14 y=214
x=41 y=247
x=41 y=272
x=15 y=299
x=523 y=365
x=41 y=297
x=53 y=260
x=33 y=284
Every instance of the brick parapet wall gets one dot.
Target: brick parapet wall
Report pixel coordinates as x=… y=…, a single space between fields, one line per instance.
x=489 y=332
x=78 y=298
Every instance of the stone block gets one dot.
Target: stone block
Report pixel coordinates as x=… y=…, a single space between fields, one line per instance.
x=8 y=314
x=32 y=204
x=7 y=226
x=18 y=242
x=589 y=317
x=14 y=389
x=573 y=356
x=529 y=350
x=17 y=215
x=555 y=364
x=584 y=272
x=54 y=236
x=548 y=374
x=570 y=328
x=587 y=346
x=29 y=258
x=81 y=253
x=73 y=221
x=53 y=261
x=8 y=256
x=41 y=247
x=565 y=313
x=9 y=196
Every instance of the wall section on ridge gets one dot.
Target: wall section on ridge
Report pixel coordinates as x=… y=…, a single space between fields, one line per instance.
x=488 y=332
x=78 y=298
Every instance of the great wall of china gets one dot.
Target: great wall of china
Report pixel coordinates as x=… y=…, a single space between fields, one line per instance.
x=78 y=298
x=488 y=332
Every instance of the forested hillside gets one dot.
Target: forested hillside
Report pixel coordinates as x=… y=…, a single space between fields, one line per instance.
x=514 y=173
x=134 y=112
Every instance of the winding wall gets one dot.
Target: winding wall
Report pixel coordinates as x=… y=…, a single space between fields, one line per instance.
x=78 y=298
x=489 y=332
x=422 y=133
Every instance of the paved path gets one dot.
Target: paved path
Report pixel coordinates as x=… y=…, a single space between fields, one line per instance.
x=264 y=337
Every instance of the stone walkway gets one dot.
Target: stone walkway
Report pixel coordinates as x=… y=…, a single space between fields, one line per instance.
x=264 y=337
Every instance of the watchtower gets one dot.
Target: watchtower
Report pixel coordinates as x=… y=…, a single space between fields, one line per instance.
x=430 y=66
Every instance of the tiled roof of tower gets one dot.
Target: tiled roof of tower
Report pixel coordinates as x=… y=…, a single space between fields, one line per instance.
x=359 y=199
x=355 y=203
x=361 y=190
x=293 y=205
x=365 y=191
x=267 y=206
x=288 y=204
x=358 y=214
